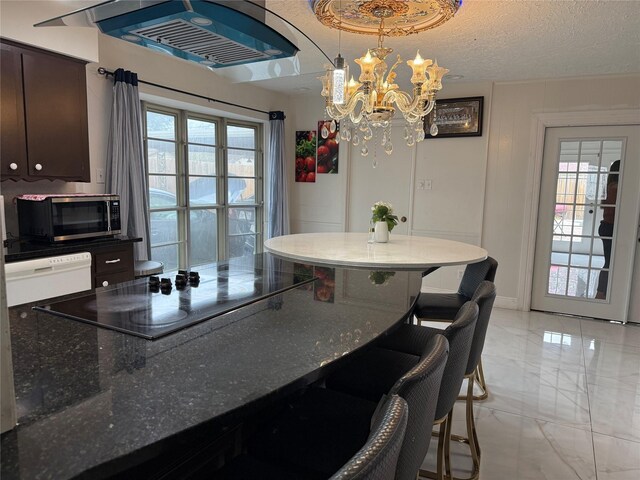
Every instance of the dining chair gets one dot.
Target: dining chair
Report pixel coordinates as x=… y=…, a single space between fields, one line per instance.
x=357 y=379
x=376 y=460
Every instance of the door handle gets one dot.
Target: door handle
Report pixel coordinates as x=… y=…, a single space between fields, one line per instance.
x=112 y=261
x=403 y=219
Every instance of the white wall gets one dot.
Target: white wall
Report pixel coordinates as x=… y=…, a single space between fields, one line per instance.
x=17 y=18
x=508 y=163
x=452 y=209
x=480 y=188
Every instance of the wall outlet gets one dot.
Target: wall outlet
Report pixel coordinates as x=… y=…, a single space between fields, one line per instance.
x=99 y=175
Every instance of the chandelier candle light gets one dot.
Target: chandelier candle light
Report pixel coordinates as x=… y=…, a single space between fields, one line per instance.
x=371 y=102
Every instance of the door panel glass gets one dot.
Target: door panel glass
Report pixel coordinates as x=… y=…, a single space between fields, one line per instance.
x=585 y=204
x=578 y=282
x=559 y=258
x=557 y=280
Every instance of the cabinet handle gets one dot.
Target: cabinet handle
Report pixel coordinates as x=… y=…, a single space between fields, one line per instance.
x=38 y=167
x=112 y=261
x=13 y=166
x=105 y=284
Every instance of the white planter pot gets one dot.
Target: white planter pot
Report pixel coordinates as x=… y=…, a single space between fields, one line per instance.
x=381 y=232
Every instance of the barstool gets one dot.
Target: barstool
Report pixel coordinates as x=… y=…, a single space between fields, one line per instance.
x=145 y=268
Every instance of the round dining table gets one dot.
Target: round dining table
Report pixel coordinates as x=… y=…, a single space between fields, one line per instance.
x=354 y=249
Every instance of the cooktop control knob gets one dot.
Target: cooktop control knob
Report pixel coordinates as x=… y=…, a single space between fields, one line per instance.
x=154 y=281
x=181 y=281
x=194 y=279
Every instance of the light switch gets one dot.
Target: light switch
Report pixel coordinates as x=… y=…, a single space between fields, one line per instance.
x=424 y=184
x=99 y=175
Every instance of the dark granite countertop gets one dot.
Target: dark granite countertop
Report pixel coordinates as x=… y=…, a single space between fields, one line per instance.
x=88 y=398
x=18 y=249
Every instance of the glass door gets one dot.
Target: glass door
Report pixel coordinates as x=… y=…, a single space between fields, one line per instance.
x=584 y=256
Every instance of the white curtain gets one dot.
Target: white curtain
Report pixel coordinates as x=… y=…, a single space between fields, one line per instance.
x=278 y=198
x=126 y=172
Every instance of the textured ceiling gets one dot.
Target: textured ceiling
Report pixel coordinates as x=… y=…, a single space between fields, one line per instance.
x=487 y=40
x=490 y=40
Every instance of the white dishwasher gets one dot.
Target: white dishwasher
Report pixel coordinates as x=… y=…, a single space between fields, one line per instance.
x=40 y=278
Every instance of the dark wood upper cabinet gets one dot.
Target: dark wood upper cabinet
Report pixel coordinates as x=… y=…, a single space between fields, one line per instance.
x=47 y=136
x=13 y=146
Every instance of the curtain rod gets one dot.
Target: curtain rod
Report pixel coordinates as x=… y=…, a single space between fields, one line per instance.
x=107 y=73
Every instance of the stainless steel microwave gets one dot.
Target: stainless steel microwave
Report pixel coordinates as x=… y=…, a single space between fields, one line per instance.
x=57 y=218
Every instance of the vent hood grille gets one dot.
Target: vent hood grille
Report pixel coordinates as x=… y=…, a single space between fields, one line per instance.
x=209 y=32
x=190 y=38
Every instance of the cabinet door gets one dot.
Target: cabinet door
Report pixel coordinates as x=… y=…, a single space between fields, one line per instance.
x=55 y=95
x=13 y=152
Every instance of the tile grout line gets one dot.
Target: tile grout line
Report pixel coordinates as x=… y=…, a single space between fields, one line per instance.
x=537 y=419
x=586 y=379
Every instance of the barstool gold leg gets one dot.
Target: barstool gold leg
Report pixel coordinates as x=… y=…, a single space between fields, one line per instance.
x=443 y=463
x=481 y=383
x=472 y=435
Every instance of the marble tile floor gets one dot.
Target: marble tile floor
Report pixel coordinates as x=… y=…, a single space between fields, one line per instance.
x=564 y=401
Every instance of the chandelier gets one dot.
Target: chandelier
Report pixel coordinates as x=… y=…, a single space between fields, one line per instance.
x=372 y=101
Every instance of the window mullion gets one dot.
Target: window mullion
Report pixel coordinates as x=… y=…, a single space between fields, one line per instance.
x=183 y=166
x=223 y=223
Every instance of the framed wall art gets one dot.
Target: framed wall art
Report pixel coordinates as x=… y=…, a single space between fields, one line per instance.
x=456 y=117
x=306 y=156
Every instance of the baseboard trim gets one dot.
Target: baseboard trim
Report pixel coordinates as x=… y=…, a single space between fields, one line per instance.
x=510 y=303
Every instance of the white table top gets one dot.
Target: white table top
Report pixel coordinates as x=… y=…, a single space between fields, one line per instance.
x=352 y=249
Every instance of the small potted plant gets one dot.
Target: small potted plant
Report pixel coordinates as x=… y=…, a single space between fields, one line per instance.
x=383 y=220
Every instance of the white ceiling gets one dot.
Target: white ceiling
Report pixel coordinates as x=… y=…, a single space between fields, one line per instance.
x=489 y=40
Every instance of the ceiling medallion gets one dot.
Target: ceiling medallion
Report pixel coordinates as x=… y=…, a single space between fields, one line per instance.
x=371 y=102
x=403 y=17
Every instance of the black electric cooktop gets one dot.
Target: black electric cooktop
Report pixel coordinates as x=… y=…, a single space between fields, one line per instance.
x=150 y=309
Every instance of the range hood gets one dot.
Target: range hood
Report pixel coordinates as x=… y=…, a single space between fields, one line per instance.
x=215 y=34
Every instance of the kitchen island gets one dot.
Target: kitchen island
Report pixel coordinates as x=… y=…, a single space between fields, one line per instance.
x=95 y=402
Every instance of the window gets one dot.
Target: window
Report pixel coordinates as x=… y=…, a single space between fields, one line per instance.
x=205 y=187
